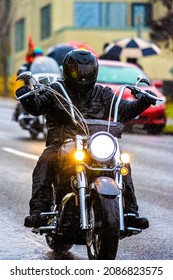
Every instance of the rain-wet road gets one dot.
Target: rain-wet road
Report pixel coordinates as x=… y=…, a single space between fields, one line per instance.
x=152 y=169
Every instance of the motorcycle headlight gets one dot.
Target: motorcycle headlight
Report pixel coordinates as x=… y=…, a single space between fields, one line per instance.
x=102 y=146
x=125 y=158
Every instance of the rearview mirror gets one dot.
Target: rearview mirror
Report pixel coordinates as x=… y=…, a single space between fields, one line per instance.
x=28 y=78
x=27 y=75
x=142 y=79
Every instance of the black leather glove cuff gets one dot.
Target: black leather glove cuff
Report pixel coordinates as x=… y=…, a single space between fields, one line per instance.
x=150 y=99
x=22 y=90
x=145 y=98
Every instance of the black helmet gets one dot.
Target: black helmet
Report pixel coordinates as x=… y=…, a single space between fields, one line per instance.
x=80 y=69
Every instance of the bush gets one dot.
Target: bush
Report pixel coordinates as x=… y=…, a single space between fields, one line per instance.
x=11 y=86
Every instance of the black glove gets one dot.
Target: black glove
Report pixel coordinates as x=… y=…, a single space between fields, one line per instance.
x=144 y=97
x=22 y=90
x=149 y=99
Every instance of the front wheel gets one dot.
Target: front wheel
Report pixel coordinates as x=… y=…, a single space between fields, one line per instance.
x=57 y=245
x=103 y=235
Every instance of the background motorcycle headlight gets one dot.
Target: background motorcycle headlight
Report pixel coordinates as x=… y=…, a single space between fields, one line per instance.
x=102 y=146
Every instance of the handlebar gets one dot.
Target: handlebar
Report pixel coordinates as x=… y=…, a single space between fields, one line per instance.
x=38 y=89
x=139 y=90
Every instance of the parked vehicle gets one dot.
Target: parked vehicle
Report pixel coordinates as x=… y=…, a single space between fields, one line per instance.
x=114 y=74
x=92 y=166
x=41 y=67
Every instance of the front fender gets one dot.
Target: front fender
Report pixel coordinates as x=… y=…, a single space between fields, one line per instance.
x=106 y=186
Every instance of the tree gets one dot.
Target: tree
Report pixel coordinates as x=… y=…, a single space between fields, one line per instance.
x=162 y=28
x=5 y=20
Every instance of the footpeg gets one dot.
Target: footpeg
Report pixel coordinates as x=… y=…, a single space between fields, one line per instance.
x=43 y=229
x=48 y=214
x=132 y=230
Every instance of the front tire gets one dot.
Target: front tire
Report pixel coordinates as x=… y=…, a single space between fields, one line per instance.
x=57 y=245
x=103 y=235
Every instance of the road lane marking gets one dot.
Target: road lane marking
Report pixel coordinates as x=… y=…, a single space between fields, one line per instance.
x=22 y=154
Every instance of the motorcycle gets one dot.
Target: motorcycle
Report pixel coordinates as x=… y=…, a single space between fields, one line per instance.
x=41 y=67
x=92 y=167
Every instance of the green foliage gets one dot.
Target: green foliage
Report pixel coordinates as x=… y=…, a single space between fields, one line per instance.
x=169 y=110
x=10 y=86
x=168 y=129
x=161 y=29
x=169 y=113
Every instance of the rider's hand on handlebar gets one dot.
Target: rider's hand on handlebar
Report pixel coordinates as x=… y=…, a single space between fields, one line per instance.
x=145 y=97
x=149 y=99
x=22 y=90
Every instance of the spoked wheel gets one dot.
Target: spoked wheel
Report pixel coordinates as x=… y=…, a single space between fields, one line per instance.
x=103 y=235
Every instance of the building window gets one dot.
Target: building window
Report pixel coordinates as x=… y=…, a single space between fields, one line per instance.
x=141 y=14
x=19 y=35
x=45 y=18
x=100 y=15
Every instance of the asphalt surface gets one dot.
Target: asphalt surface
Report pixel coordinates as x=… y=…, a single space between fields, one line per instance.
x=152 y=169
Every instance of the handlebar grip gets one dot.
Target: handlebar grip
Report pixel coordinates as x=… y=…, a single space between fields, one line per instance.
x=141 y=91
x=30 y=93
x=150 y=95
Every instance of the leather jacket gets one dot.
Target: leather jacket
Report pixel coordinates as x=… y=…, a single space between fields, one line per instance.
x=93 y=105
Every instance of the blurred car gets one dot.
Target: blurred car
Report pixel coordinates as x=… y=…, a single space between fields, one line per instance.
x=114 y=74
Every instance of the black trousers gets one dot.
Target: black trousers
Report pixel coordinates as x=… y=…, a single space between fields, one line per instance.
x=45 y=175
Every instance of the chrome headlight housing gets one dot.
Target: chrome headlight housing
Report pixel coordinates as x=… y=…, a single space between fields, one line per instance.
x=102 y=146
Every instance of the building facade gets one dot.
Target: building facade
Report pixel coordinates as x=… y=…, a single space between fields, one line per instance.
x=95 y=22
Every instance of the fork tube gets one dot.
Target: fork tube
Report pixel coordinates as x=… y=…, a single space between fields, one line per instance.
x=117 y=103
x=121 y=212
x=81 y=180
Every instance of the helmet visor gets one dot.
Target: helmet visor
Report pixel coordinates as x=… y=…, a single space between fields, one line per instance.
x=81 y=73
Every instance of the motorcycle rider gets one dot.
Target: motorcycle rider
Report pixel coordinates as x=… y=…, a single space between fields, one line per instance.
x=29 y=60
x=37 y=52
x=80 y=69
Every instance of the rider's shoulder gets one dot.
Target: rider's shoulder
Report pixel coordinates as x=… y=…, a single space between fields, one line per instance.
x=103 y=89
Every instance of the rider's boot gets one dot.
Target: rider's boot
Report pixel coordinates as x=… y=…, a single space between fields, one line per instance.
x=33 y=220
x=131 y=207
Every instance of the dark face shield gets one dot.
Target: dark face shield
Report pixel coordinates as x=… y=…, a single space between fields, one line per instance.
x=80 y=73
x=80 y=78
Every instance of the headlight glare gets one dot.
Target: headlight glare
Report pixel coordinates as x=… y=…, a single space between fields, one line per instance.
x=79 y=155
x=125 y=158
x=102 y=146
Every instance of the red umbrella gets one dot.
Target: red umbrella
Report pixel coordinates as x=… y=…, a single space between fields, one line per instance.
x=81 y=45
x=58 y=52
